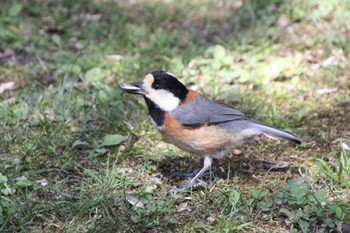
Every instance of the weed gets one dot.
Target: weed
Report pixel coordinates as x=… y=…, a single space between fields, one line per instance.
x=298 y=206
x=337 y=173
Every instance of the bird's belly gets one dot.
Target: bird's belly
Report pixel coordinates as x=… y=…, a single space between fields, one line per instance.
x=210 y=141
x=186 y=146
x=213 y=140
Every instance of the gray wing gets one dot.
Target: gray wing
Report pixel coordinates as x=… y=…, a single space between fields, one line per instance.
x=202 y=111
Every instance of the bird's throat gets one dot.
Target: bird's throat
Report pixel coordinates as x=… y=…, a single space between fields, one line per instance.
x=156 y=113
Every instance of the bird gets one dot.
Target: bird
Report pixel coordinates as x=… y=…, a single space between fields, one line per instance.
x=196 y=124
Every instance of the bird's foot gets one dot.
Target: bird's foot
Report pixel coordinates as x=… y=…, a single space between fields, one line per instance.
x=275 y=166
x=186 y=175
x=192 y=184
x=188 y=186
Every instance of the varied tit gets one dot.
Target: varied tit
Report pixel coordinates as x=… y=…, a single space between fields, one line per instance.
x=195 y=123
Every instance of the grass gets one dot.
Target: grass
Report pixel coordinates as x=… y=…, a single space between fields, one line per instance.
x=74 y=147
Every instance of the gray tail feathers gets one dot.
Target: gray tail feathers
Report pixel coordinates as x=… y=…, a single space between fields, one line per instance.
x=279 y=133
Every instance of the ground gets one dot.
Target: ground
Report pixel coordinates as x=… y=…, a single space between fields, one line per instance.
x=79 y=155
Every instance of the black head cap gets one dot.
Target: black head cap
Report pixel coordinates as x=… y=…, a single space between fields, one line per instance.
x=166 y=81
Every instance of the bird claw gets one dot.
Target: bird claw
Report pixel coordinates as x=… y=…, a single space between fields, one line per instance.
x=176 y=191
x=188 y=186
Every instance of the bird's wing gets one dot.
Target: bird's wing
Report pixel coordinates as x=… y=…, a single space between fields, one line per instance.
x=202 y=111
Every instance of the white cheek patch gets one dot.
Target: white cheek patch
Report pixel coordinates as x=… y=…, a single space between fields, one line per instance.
x=164 y=99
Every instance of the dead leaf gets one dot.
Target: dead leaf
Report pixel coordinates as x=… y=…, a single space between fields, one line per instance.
x=7 y=86
x=114 y=57
x=326 y=91
x=237 y=152
x=345 y=147
x=211 y=219
x=134 y=201
x=182 y=207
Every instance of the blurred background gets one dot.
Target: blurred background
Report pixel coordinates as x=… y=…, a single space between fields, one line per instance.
x=72 y=144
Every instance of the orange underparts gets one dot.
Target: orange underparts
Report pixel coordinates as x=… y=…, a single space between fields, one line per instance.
x=201 y=141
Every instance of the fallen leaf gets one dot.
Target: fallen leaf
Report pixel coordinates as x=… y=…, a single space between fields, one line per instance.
x=79 y=144
x=326 y=91
x=112 y=140
x=345 y=147
x=7 y=86
x=211 y=219
x=23 y=182
x=114 y=57
x=42 y=182
x=134 y=201
x=182 y=207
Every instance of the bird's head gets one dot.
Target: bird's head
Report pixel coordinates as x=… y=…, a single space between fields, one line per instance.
x=161 y=88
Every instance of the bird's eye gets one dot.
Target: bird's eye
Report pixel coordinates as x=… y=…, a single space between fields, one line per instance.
x=155 y=86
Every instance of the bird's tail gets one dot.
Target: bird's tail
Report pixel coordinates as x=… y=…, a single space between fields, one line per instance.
x=279 y=133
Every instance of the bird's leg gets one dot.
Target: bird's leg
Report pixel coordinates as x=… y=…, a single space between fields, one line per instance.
x=206 y=165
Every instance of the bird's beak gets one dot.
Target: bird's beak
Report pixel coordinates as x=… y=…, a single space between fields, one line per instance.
x=134 y=88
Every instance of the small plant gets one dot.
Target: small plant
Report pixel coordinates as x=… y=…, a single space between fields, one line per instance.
x=300 y=207
x=153 y=212
x=337 y=172
x=8 y=208
x=98 y=148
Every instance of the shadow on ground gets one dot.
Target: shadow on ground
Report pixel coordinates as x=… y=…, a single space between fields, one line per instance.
x=248 y=166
